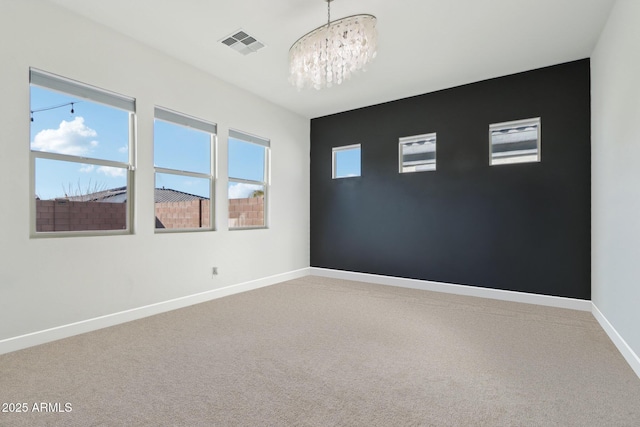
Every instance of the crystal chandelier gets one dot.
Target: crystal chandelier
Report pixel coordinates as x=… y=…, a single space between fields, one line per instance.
x=330 y=54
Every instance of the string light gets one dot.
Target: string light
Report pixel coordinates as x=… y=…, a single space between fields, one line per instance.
x=53 y=107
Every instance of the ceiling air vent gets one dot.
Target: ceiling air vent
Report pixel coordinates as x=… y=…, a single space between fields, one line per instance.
x=242 y=42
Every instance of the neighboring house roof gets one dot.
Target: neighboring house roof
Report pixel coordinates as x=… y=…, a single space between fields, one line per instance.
x=119 y=195
x=113 y=195
x=163 y=195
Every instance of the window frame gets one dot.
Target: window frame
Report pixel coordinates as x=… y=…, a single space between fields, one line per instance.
x=534 y=121
x=94 y=94
x=413 y=139
x=180 y=119
x=266 y=144
x=334 y=159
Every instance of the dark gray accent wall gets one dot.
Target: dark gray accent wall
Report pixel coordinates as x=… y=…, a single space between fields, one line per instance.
x=521 y=227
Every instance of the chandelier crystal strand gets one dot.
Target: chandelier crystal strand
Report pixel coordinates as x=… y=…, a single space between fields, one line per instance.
x=330 y=54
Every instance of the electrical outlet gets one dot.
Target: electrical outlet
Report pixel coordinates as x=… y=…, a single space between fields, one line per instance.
x=214 y=271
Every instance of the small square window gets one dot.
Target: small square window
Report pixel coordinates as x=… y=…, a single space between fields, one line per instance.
x=418 y=153
x=346 y=161
x=514 y=142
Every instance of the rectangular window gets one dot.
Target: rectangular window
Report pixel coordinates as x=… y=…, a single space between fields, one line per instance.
x=81 y=157
x=249 y=159
x=346 y=161
x=184 y=162
x=514 y=142
x=417 y=153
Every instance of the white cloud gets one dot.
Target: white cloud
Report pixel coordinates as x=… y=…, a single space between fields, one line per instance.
x=74 y=138
x=87 y=168
x=112 y=172
x=123 y=149
x=241 y=190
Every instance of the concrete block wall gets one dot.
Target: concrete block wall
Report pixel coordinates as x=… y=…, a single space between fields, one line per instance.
x=247 y=212
x=64 y=215
x=186 y=214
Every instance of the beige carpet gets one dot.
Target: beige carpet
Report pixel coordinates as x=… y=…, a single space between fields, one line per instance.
x=324 y=352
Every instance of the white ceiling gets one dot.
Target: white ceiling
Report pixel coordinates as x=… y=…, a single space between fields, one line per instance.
x=423 y=45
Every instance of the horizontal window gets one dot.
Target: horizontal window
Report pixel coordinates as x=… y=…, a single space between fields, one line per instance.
x=514 y=142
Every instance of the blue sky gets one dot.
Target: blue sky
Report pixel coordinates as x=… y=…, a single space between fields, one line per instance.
x=97 y=131
x=347 y=163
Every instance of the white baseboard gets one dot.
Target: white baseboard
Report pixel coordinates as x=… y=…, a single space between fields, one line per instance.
x=426 y=285
x=627 y=352
x=40 y=337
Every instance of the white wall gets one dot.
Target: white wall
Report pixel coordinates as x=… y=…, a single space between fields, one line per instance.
x=46 y=283
x=615 y=169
